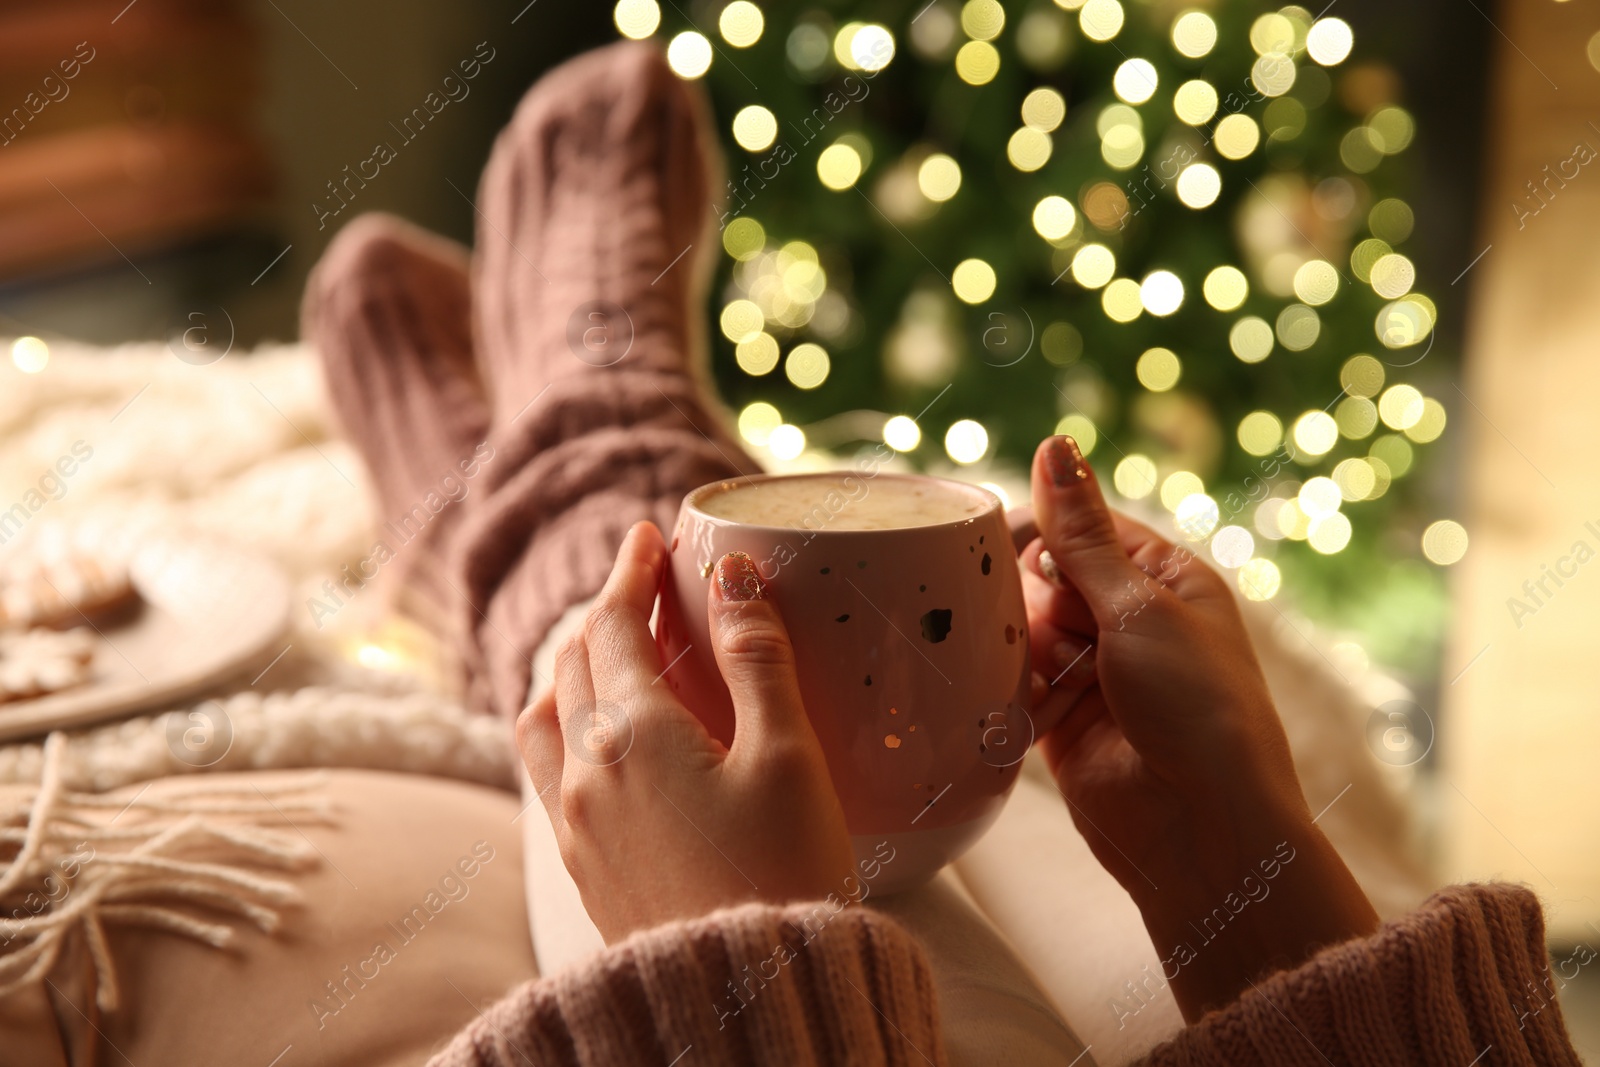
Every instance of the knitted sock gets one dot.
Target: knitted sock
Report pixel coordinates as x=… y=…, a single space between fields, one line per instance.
x=388 y=308
x=588 y=289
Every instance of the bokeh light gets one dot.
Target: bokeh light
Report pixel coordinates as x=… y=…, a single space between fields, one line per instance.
x=1391 y=220
x=1093 y=266
x=30 y=355
x=1315 y=432
x=1029 y=149
x=1236 y=136
x=902 y=433
x=1361 y=375
x=973 y=281
x=1194 y=102
x=1135 y=81
x=1444 y=542
x=1320 y=497
x=1400 y=407
x=1393 y=275
x=1329 y=41
x=786 y=442
x=807 y=366
x=982 y=20
x=977 y=63
x=1329 y=533
x=1232 y=546
x=741 y=320
x=755 y=128
x=838 y=166
x=1357 y=417
x=1395 y=452
x=1251 y=339
x=1054 y=218
x=871 y=48
x=1273 y=74
x=966 y=441
x=1391 y=129
x=1081 y=429
x=1122 y=300
x=1043 y=109
x=1355 y=478
x=689 y=55
x=1272 y=34
x=1260 y=579
x=757 y=421
x=1196 y=516
x=1298 y=327
x=741 y=23
x=637 y=19
x=939 y=177
x=1430 y=425
x=1158 y=369
x=758 y=355
x=1194 y=34
x=1177 y=486
x=744 y=238
x=1100 y=20
x=1135 y=476
x=1225 y=288
x=1260 y=433
x=1161 y=292
x=1316 y=282
x=1199 y=185
x=1122 y=147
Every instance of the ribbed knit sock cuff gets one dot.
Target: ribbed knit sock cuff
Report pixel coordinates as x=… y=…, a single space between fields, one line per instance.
x=604 y=453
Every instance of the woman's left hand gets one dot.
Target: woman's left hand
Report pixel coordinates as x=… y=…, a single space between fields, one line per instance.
x=656 y=820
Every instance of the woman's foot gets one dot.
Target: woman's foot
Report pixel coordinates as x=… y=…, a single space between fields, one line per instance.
x=588 y=286
x=388 y=307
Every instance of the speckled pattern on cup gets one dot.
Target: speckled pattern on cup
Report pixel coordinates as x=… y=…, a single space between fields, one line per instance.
x=912 y=651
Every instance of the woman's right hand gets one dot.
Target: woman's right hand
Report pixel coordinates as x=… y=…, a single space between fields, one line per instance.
x=1169 y=750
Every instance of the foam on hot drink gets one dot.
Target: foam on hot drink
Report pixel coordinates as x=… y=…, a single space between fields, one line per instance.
x=845 y=502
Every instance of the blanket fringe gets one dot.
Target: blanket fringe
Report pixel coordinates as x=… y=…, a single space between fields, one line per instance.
x=172 y=866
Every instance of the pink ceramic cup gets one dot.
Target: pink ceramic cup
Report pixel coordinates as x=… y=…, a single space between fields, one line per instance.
x=912 y=651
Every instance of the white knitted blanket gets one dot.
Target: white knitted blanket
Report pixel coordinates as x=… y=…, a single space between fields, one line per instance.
x=241 y=450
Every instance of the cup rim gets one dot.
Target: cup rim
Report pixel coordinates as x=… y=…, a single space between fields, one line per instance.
x=691 y=502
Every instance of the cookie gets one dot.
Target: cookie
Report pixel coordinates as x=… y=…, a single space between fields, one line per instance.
x=39 y=662
x=65 y=590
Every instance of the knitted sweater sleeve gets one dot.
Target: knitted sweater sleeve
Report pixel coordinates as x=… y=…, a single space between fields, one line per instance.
x=1463 y=980
x=798 y=985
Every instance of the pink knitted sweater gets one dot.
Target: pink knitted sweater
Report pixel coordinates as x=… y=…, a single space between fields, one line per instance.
x=1463 y=980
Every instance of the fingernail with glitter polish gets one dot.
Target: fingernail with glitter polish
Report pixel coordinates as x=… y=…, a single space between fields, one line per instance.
x=1048 y=567
x=1064 y=463
x=737 y=578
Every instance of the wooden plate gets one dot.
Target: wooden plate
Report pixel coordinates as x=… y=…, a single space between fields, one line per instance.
x=210 y=611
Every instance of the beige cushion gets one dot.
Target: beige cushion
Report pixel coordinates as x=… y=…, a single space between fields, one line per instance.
x=393 y=839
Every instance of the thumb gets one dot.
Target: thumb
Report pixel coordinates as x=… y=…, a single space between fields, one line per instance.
x=1075 y=526
x=754 y=654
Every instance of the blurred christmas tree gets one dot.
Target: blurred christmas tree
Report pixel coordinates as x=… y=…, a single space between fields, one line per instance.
x=1170 y=230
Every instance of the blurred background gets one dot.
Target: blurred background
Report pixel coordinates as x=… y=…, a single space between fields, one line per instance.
x=1315 y=282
